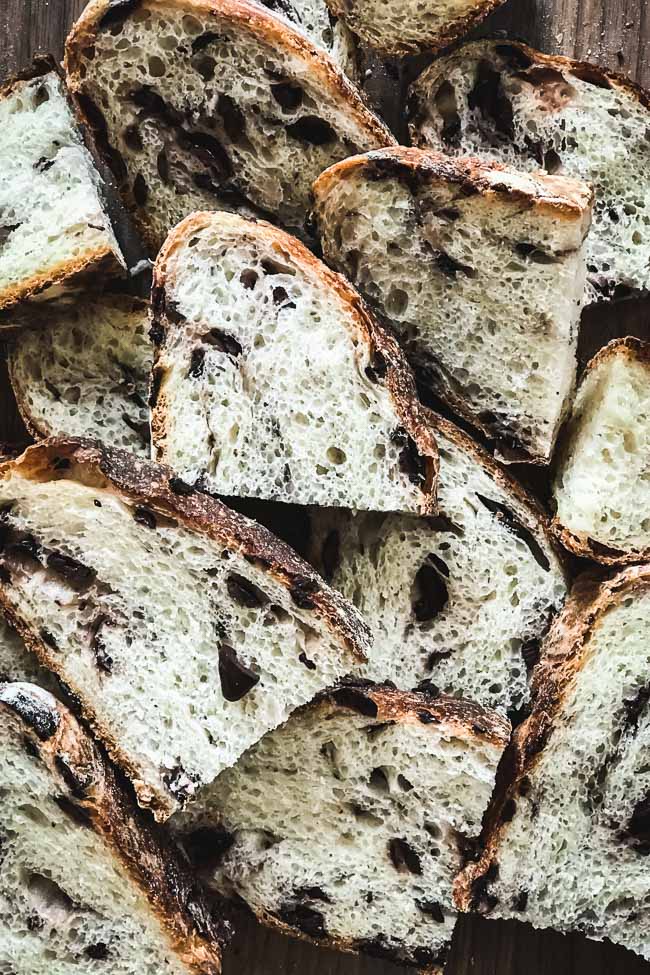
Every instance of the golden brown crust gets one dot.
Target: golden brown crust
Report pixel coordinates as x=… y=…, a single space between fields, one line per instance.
x=564 y=197
x=429 y=42
x=399 y=380
x=90 y=784
x=137 y=481
x=582 y=544
x=563 y=656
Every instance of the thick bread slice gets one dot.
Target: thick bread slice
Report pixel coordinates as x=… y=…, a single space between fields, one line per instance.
x=85 y=878
x=567 y=836
x=601 y=487
x=345 y=826
x=205 y=104
x=321 y=27
x=272 y=379
x=87 y=373
x=185 y=630
x=461 y=600
x=505 y=101
x=481 y=271
x=412 y=25
x=54 y=229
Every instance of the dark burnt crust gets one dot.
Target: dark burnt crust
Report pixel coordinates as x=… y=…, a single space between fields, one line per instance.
x=42 y=64
x=83 y=775
x=581 y=544
x=414 y=417
x=429 y=42
x=563 y=655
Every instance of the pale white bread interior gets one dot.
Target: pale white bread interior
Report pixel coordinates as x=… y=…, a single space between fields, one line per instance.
x=17 y=663
x=461 y=600
x=87 y=373
x=411 y=25
x=272 y=380
x=321 y=27
x=569 y=835
x=601 y=487
x=479 y=268
x=53 y=221
x=345 y=825
x=505 y=101
x=185 y=630
x=86 y=883
x=212 y=104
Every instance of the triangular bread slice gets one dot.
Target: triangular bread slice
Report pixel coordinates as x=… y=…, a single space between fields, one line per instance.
x=87 y=373
x=345 y=826
x=601 y=487
x=480 y=269
x=462 y=600
x=202 y=104
x=54 y=228
x=86 y=878
x=186 y=631
x=504 y=101
x=411 y=25
x=272 y=380
x=568 y=834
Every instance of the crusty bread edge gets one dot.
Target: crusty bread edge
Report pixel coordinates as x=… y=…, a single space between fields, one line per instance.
x=462 y=718
x=193 y=932
x=581 y=544
x=563 y=656
x=399 y=379
x=143 y=482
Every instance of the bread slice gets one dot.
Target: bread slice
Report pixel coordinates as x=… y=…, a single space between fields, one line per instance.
x=481 y=271
x=462 y=600
x=85 y=877
x=272 y=380
x=412 y=25
x=323 y=29
x=185 y=630
x=601 y=488
x=505 y=101
x=345 y=825
x=567 y=839
x=54 y=229
x=87 y=373
x=204 y=104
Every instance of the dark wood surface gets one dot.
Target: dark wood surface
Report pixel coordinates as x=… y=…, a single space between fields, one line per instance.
x=616 y=34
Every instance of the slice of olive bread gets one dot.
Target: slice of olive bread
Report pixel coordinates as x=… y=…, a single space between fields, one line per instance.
x=203 y=104
x=461 y=600
x=87 y=883
x=272 y=380
x=481 y=271
x=601 y=487
x=324 y=29
x=568 y=834
x=54 y=228
x=412 y=25
x=346 y=825
x=505 y=101
x=87 y=373
x=185 y=630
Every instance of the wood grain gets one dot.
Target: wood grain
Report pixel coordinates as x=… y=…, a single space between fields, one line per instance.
x=616 y=34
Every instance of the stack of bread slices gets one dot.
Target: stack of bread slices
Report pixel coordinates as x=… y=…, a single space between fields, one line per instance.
x=273 y=598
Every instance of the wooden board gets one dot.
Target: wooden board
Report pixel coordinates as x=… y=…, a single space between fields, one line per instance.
x=616 y=34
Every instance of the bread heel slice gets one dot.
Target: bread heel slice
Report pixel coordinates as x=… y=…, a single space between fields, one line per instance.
x=480 y=269
x=55 y=232
x=502 y=101
x=397 y=785
x=566 y=837
x=601 y=477
x=273 y=380
x=85 y=875
x=184 y=630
